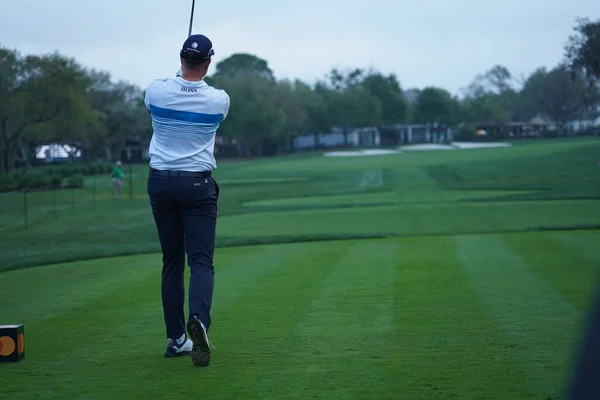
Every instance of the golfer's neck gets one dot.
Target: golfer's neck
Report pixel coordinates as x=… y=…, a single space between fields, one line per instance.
x=192 y=76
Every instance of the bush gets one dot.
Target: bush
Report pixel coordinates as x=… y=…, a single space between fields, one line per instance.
x=466 y=133
x=92 y=169
x=76 y=169
x=76 y=181
x=8 y=183
x=47 y=176
x=551 y=133
x=65 y=171
x=56 y=181
x=103 y=169
x=34 y=180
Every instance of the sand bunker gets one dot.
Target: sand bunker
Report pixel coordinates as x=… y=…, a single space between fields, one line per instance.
x=452 y=146
x=477 y=145
x=354 y=153
x=426 y=146
x=418 y=147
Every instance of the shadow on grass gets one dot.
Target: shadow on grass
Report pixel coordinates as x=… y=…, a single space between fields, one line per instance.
x=266 y=240
x=232 y=242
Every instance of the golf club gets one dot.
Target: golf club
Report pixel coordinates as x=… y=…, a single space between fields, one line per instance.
x=179 y=72
x=191 y=18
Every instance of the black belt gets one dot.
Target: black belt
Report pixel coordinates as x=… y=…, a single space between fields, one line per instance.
x=201 y=174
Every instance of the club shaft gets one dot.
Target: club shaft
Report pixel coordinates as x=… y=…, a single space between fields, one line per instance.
x=192 y=18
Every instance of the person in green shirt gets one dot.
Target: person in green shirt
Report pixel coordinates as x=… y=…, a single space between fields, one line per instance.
x=117 y=176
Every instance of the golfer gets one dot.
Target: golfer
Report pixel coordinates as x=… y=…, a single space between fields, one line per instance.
x=117 y=176
x=186 y=113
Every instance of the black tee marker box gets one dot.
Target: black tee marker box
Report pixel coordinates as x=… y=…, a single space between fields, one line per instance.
x=12 y=343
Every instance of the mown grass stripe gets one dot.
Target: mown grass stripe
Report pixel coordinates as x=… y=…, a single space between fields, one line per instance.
x=539 y=323
x=255 y=240
x=348 y=328
x=78 y=342
x=253 y=329
x=32 y=296
x=585 y=245
x=417 y=219
x=236 y=271
x=565 y=260
x=446 y=344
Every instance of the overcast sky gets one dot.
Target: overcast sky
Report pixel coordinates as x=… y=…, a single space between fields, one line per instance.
x=424 y=42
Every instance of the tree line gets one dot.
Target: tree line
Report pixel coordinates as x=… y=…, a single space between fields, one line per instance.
x=53 y=99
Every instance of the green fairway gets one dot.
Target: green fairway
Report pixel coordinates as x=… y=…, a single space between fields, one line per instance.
x=426 y=275
x=413 y=196
x=474 y=316
x=312 y=196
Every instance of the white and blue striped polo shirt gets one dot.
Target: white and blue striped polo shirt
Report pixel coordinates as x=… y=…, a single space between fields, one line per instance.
x=185 y=119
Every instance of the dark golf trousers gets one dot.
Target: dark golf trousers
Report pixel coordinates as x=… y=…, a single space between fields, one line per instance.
x=185 y=212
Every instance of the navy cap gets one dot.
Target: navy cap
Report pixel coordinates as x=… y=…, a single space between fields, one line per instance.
x=197 y=49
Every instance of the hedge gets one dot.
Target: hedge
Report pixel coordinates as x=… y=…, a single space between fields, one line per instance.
x=52 y=176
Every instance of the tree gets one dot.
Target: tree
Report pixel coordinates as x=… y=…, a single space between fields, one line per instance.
x=12 y=98
x=386 y=89
x=122 y=112
x=528 y=99
x=339 y=80
x=436 y=105
x=495 y=80
x=556 y=94
x=313 y=102
x=360 y=108
x=490 y=107
x=348 y=102
x=491 y=97
x=294 y=100
x=41 y=98
x=583 y=50
x=256 y=115
x=244 y=63
x=305 y=110
x=70 y=118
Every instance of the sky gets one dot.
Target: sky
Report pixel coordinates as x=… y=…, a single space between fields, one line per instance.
x=443 y=43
